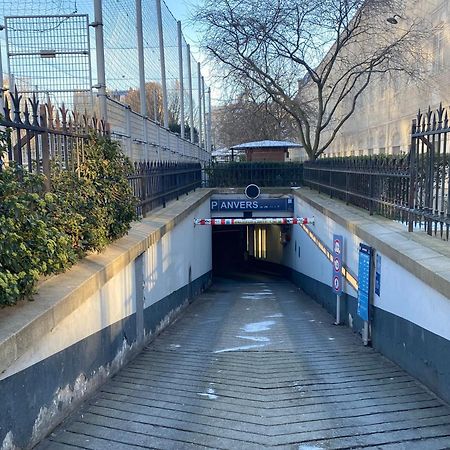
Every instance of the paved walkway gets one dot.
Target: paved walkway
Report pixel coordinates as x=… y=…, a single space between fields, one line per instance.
x=254 y=365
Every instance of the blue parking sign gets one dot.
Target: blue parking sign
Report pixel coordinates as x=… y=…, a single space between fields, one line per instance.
x=364 y=274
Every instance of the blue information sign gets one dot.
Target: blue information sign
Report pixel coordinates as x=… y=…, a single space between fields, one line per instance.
x=337 y=264
x=259 y=204
x=364 y=273
x=378 y=275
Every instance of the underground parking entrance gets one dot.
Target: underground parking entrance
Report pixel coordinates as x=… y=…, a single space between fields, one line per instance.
x=255 y=363
x=239 y=250
x=249 y=228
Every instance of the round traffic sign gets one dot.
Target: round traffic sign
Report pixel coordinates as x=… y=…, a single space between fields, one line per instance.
x=337 y=265
x=337 y=247
x=336 y=283
x=252 y=191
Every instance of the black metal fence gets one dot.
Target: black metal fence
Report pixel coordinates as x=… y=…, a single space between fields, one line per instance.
x=41 y=133
x=155 y=183
x=430 y=167
x=413 y=189
x=264 y=174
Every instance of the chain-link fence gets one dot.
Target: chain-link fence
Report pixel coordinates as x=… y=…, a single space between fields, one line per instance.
x=127 y=61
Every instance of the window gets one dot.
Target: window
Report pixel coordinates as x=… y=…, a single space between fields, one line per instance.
x=438 y=49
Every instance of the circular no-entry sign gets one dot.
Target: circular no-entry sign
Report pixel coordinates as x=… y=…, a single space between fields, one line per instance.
x=337 y=265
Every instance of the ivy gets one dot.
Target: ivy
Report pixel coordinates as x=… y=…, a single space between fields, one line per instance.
x=44 y=233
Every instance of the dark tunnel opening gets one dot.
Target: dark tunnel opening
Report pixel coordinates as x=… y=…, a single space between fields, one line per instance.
x=229 y=249
x=245 y=249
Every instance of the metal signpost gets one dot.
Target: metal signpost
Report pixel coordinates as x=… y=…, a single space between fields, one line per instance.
x=364 y=287
x=337 y=273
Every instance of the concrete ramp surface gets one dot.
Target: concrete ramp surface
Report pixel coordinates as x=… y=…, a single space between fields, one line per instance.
x=254 y=363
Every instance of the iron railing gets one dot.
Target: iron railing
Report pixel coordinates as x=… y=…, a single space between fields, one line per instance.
x=264 y=174
x=155 y=183
x=378 y=184
x=430 y=180
x=413 y=189
x=39 y=134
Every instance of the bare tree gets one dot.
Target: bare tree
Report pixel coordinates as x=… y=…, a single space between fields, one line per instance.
x=247 y=119
x=153 y=93
x=312 y=57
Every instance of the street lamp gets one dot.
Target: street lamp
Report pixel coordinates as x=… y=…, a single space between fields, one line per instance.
x=392 y=20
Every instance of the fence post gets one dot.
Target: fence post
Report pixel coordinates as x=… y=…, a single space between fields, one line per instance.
x=200 y=108
x=330 y=179
x=45 y=148
x=127 y=111
x=191 y=100
x=100 y=56
x=205 y=127
x=209 y=134
x=163 y=63
x=412 y=178
x=140 y=48
x=346 y=187
x=181 y=75
x=371 y=193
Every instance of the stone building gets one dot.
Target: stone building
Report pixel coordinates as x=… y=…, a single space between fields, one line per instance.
x=381 y=123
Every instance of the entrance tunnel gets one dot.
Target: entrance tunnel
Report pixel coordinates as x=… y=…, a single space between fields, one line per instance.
x=239 y=249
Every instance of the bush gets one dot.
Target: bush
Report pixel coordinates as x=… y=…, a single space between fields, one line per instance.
x=31 y=243
x=96 y=205
x=44 y=233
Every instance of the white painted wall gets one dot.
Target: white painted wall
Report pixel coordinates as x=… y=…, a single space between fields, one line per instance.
x=402 y=293
x=312 y=262
x=166 y=266
x=114 y=301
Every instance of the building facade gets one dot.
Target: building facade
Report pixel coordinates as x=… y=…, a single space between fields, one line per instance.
x=381 y=123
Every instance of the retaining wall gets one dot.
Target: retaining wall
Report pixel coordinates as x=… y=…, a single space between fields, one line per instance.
x=410 y=317
x=85 y=324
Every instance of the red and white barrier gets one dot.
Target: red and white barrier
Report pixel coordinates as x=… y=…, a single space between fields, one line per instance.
x=257 y=221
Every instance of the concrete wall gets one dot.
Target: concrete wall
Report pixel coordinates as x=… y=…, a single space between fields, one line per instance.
x=410 y=316
x=88 y=322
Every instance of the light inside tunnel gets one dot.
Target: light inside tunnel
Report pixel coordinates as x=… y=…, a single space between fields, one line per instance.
x=260 y=242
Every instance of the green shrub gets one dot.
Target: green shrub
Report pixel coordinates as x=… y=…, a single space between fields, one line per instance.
x=43 y=233
x=31 y=243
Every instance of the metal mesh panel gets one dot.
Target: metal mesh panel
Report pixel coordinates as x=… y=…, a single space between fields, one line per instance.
x=121 y=58
x=122 y=70
x=172 y=63
x=49 y=55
